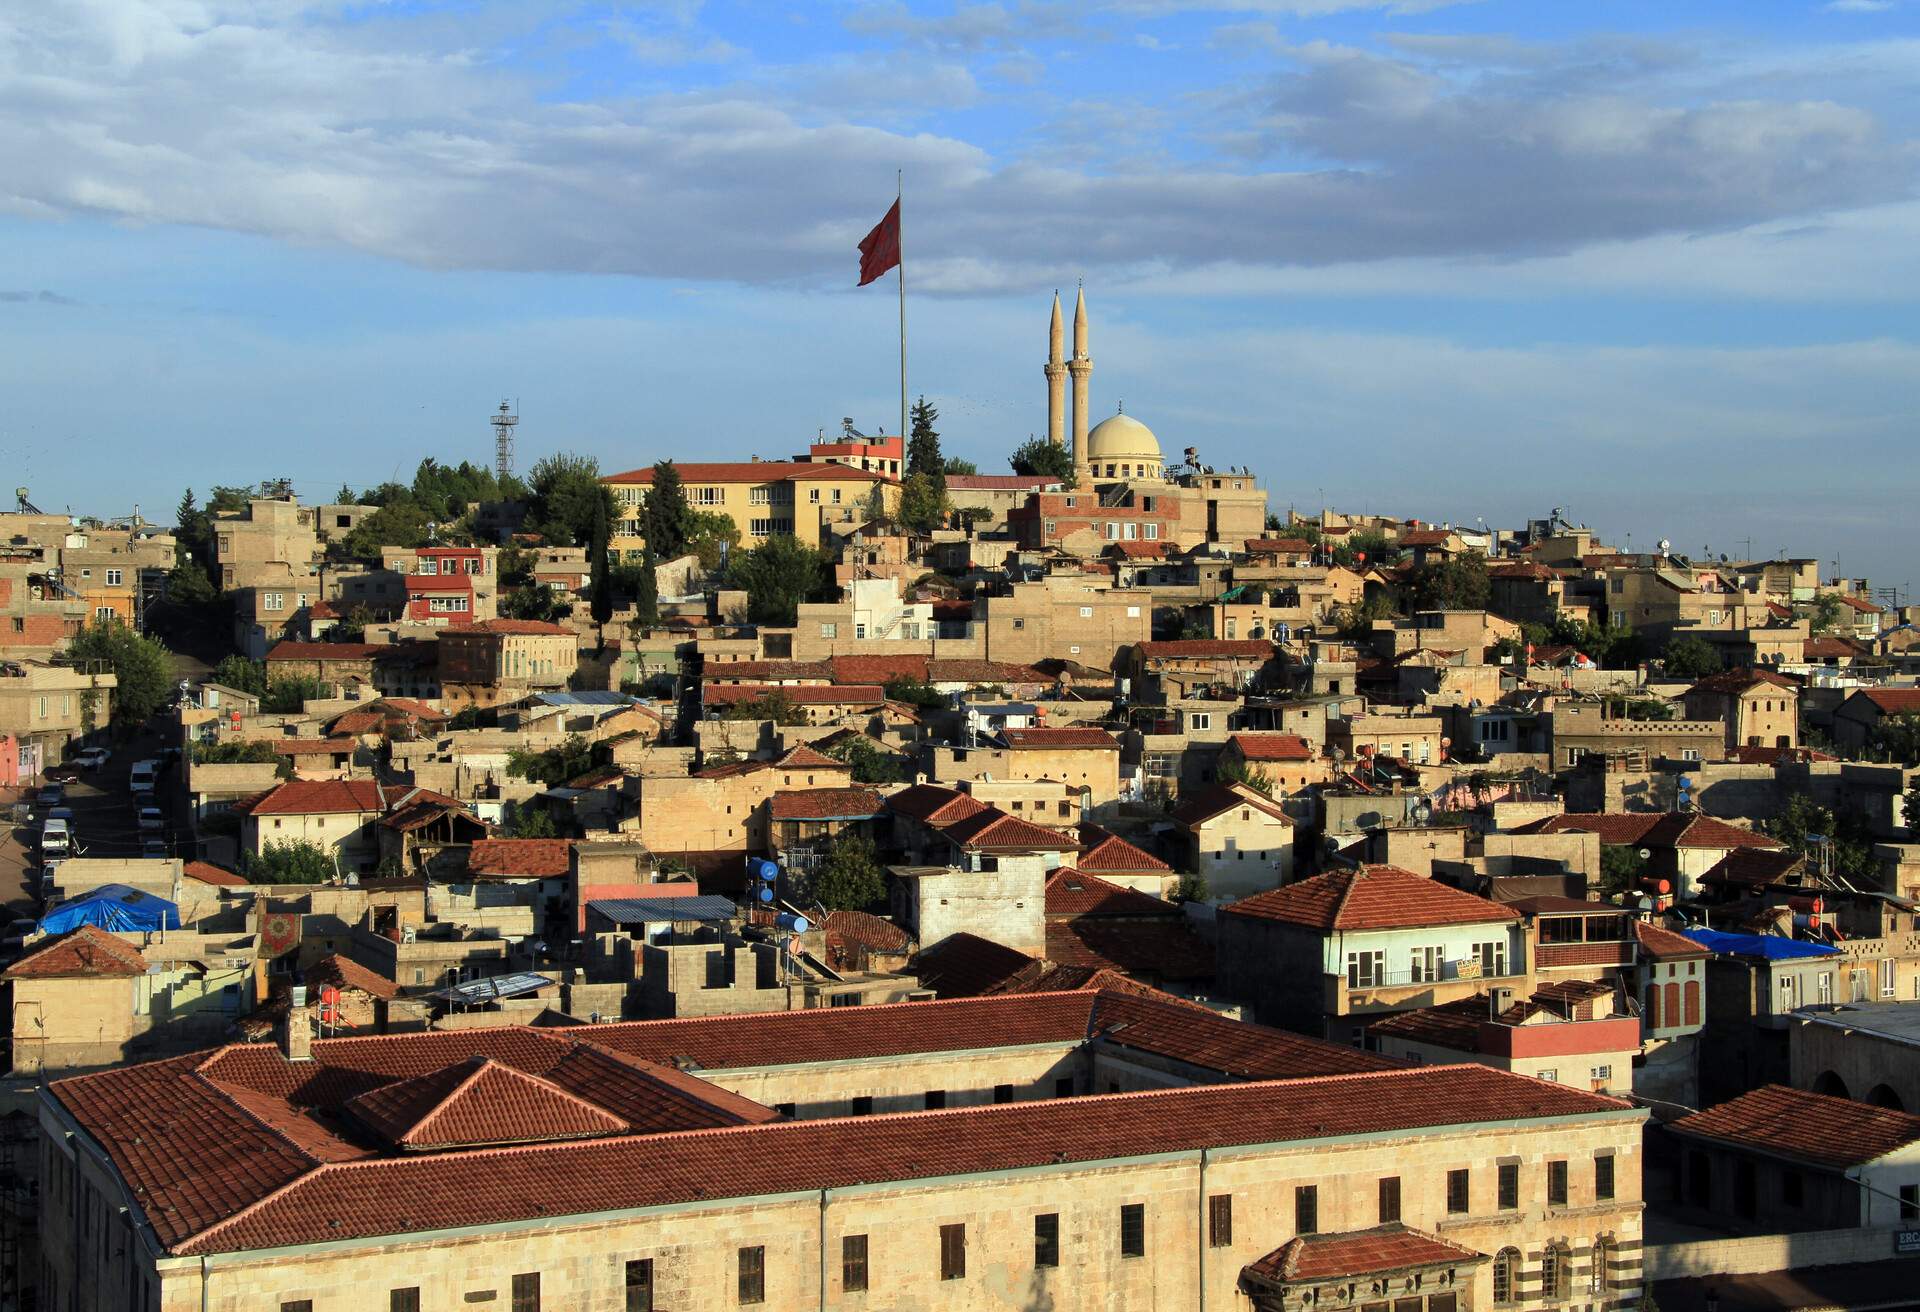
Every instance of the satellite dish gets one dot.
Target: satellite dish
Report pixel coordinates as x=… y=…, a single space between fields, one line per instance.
x=1664 y=545
x=1645 y=852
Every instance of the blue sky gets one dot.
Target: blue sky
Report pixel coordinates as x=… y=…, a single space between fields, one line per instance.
x=1655 y=263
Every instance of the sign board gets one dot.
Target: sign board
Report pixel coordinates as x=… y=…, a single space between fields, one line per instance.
x=1906 y=1241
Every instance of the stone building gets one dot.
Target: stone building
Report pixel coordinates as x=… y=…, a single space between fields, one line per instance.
x=1759 y=708
x=498 y=660
x=762 y=498
x=665 y=1164
x=47 y=712
x=1236 y=838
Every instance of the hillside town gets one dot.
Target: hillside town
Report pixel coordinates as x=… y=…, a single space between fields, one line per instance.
x=839 y=875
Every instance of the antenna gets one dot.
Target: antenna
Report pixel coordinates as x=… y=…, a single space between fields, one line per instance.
x=503 y=423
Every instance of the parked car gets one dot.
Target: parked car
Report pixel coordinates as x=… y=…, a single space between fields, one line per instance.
x=51 y=794
x=56 y=839
x=91 y=758
x=140 y=779
x=152 y=818
x=154 y=848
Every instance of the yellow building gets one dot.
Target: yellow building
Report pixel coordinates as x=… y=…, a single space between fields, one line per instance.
x=761 y=497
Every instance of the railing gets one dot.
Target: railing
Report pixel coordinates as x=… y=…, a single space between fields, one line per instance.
x=1450 y=972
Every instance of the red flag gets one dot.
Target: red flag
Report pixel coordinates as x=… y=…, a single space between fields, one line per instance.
x=880 y=249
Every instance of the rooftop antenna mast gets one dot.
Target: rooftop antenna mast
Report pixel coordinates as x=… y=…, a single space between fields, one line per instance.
x=503 y=422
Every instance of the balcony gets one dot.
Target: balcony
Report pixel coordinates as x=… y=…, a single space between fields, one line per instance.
x=1400 y=990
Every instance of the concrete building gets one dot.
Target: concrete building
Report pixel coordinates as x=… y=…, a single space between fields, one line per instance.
x=1759 y=708
x=498 y=660
x=1236 y=838
x=47 y=712
x=1868 y=1051
x=1572 y=1033
x=667 y=1164
x=761 y=497
x=1329 y=953
x=1857 y=718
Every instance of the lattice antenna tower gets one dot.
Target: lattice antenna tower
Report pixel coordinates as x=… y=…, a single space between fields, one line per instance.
x=504 y=420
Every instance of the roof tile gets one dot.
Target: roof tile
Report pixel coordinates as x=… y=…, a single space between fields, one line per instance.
x=1371 y=897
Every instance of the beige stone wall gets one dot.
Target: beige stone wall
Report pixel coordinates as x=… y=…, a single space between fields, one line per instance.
x=694 y=1249
x=1242 y=856
x=901 y=1083
x=689 y=814
x=1007 y=905
x=64 y=1024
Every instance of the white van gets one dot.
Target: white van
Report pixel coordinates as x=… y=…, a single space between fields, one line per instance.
x=55 y=839
x=140 y=778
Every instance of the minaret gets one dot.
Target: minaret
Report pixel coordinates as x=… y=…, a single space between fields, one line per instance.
x=1056 y=372
x=1080 y=366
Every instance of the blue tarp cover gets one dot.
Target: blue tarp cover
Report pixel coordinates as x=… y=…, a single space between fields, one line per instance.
x=113 y=907
x=1758 y=945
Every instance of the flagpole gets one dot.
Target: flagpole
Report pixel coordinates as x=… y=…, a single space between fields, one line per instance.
x=899 y=193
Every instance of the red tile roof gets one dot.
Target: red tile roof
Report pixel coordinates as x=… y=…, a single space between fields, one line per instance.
x=1001 y=482
x=1661 y=944
x=993 y=829
x=865 y=930
x=1859 y=604
x=1423 y=537
x=520 y=858
x=1734 y=682
x=1047 y=739
x=513 y=628
x=1072 y=892
x=1278 y=546
x=1147 y=947
x=767 y=671
x=826 y=804
x=1829 y=646
x=805 y=758
x=1200 y=648
x=1371 y=897
x=1359 y=1253
x=339 y=796
x=438 y=583
x=1272 y=746
x=1651 y=829
x=755 y=471
x=966 y=965
x=1754 y=867
x=1813 y=1127
x=336 y=971
x=312 y=746
x=88 y=952
x=1113 y=854
x=1199 y=807
x=1892 y=701
x=477 y=1102
x=734 y=694
x=933 y=805
x=208 y=873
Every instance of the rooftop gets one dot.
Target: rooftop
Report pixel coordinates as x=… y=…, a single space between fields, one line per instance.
x=1371 y=897
x=88 y=952
x=1652 y=829
x=1813 y=1127
x=1272 y=746
x=520 y=858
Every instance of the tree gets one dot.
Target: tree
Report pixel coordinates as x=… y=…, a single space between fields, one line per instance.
x=295 y=862
x=188 y=586
x=955 y=465
x=1692 y=658
x=397 y=524
x=533 y=601
x=923 y=448
x=712 y=536
x=554 y=766
x=1363 y=549
x=1801 y=821
x=1620 y=868
x=142 y=670
x=667 y=521
x=1911 y=803
x=1358 y=620
x=600 y=596
x=1190 y=887
x=777 y=705
x=915 y=692
x=871 y=765
x=923 y=503
x=1239 y=772
x=777 y=576
x=1825 y=612
x=236 y=671
x=286 y=696
x=1896 y=738
x=1458 y=584
x=566 y=487
x=250 y=751
x=646 y=590
x=528 y=821
x=850 y=879
x=1039 y=458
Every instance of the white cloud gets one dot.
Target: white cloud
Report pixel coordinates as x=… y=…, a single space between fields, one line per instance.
x=1857 y=6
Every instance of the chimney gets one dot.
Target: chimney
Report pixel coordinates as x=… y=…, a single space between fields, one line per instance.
x=296 y=1036
x=1498 y=1001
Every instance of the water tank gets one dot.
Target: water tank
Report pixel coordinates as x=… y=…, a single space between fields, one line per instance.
x=762 y=868
x=791 y=920
x=764 y=892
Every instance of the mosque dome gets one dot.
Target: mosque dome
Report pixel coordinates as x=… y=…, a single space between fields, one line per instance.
x=1122 y=437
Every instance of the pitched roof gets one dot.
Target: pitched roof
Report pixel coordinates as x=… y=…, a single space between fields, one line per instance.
x=1811 y=1126
x=340 y=972
x=992 y=828
x=1001 y=482
x=1196 y=808
x=1754 y=867
x=1831 y=645
x=1892 y=701
x=513 y=628
x=734 y=694
x=1244 y=648
x=323 y=651
x=804 y=757
x=1359 y=1253
x=934 y=805
x=1271 y=746
x=340 y=796
x=520 y=858
x=208 y=873
x=867 y=930
x=1652 y=828
x=826 y=804
x=1278 y=546
x=1734 y=682
x=88 y=952
x=1072 y=892
x=1660 y=944
x=1035 y=739
x=1370 y=897
x=474 y=1102
x=1154 y=947
x=1103 y=851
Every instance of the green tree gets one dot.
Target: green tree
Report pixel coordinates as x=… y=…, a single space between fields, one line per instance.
x=712 y=537
x=850 y=879
x=923 y=448
x=527 y=821
x=142 y=670
x=1458 y=584
x=871 y=764
x=236 y=671
x=1620 y=869
x=600 y=585
x=397 y=524
x=777 y=576
x=554 y=766
x=1357 y=620
x=1692 y=658
x=1824 y=612
x=296 y=862
x=188 y=586
x=1896 y=739
x=1190 y=887
x=472 y=717
x=666 y=521
x=646 y=590
x=1239 y=772
x=1039 y=458
x=1911 y=804
x=1801 y=821
x=955 y=465
x=253 y=751
x=287 y=696
x=566 y=488
x=1364 y=549
x=923 y=503
x=777 y=705
x=533 y=601
x=915 y=692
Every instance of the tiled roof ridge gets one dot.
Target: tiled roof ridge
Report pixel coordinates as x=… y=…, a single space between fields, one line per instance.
x=220 y=1089
x=538 y=1034
x=482 y=1066
x=734 y=1104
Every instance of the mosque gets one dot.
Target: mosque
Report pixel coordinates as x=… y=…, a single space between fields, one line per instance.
x=1124 y=491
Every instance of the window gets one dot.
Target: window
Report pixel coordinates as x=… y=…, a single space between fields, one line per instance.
x=1886 y=977
x=752 y=1281
x=408 y=1300
x=1153 y=532
x=1505 y=1263
x=1823 y=987
x=1457 y=1196
x=1492 y=958
x=113 y=578
x=526 y=1292
x=1200 y=720
x=1063 y=1087
x=1220 y=1221
x=1424 y=965
x=706 y=496
x=297 y=1305
x=936 y=1099
x=1366 y=969
x=861 y=1106
x=1046 y=1239
x=1787 y=993
x=829 y=630
x=639 y=1286
x=1133 y=1230
x=1601 y=1076
x=1554 y=1272
x=1603 y=1176
x=1509 y=1186
x=1133 y=612
x=1910 y=1202
x=1599 y=1264
x=1306 y=1209
x=1389 y=1199
x=953 y=1252
x=1557 y=1184
x=1003 y=1093
x=853 y=1263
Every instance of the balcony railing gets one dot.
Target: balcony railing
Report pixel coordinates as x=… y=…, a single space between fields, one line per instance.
x=1450 y=972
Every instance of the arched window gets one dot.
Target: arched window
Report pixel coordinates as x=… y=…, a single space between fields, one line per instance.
x=1505 y=1264
x=1602 y=1267
x=1554 y=1272
x=1672 y=1004
x=1653 y=1006
x=1693 y=1002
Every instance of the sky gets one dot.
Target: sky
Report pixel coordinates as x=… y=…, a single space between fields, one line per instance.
x=1655 y=263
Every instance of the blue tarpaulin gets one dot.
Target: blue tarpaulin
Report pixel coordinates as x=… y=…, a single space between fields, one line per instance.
x=113 y=907
x=1764 y=946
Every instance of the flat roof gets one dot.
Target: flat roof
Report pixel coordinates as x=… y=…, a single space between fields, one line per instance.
x=1898 y=1022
